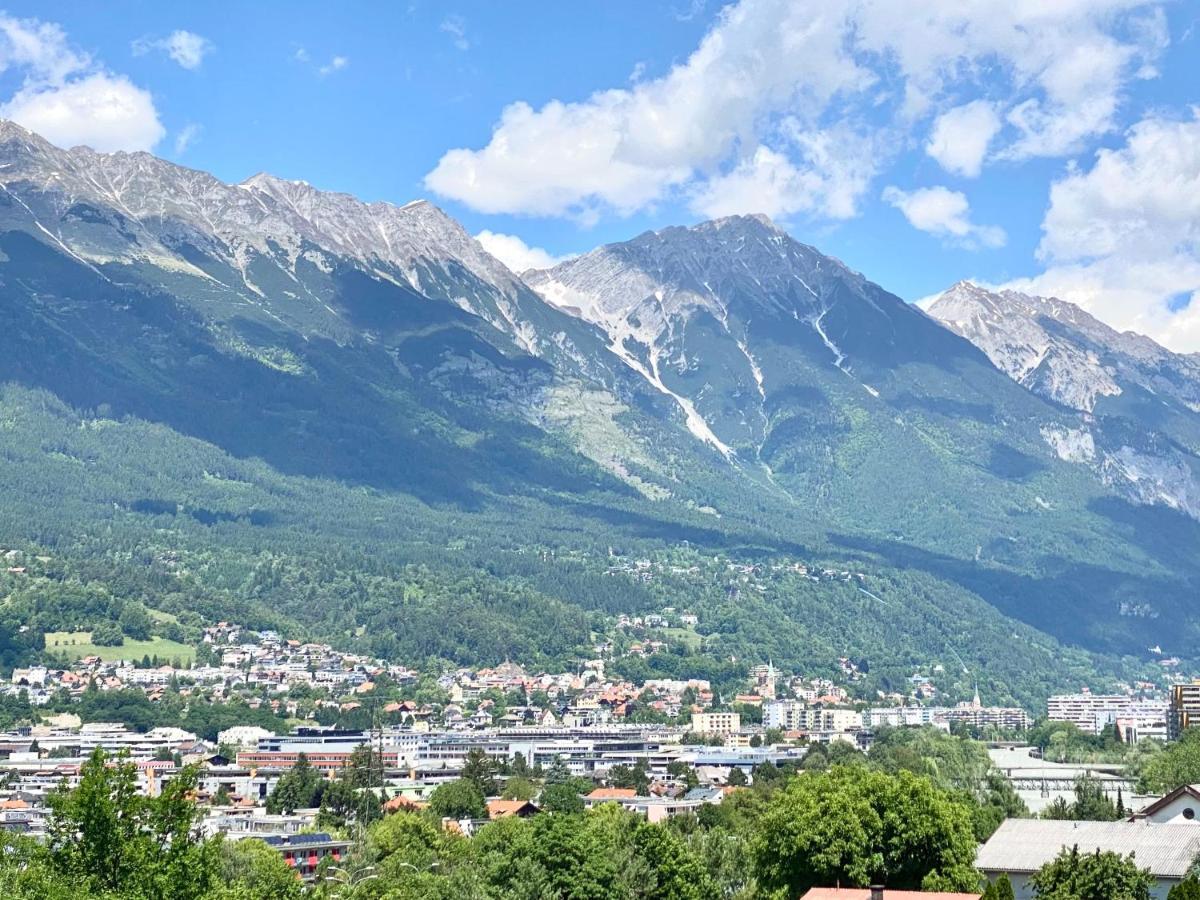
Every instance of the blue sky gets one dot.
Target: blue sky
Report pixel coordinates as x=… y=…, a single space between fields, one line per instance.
x=921 y=141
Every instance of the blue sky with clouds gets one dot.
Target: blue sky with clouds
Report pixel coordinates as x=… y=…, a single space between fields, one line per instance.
x=1052 y=146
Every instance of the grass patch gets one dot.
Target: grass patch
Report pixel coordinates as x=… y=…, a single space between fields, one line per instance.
x=76 y=644
x=684 y=636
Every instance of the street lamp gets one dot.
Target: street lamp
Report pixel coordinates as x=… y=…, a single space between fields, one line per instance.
x=348 y=879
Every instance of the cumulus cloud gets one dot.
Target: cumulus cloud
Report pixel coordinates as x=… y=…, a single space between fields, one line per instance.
x=945 y=213
x=67 y=97
x=336 y=64
x=821 y=173
x=720 y=127
x=961 y=136
x=1122 y=238
x=184 y=47
x=456 y=27
x=515 y=253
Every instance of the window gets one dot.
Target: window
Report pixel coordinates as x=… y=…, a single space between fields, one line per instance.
x=1189 y=813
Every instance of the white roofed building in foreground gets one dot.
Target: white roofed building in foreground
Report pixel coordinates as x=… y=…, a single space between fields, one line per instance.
x=1022 y=846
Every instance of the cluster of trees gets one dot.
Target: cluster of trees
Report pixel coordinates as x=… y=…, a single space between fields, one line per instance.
x=105 y=840
x=1090 y=804
x=354 y=796
x=855 y=824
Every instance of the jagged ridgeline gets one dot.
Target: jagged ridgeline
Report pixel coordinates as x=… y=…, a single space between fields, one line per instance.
x=291 y=398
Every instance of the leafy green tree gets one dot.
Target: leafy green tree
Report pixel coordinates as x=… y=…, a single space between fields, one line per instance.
x=1092 y=876
x=106 y=835
x=1000 y=889
x=134 y=621
x=299 y=788
x=678 y=873
x=518 y=788
x=558 y=773
x=1091 y=803
x=1177 y=765
x=480 y=769
x=1188 y=889
x=737 y=778
x=630 y=777
x=458 y=799
x=561 y=798
x=677 y=768
x=107 y=634
x=857 y=827
x=252 y=869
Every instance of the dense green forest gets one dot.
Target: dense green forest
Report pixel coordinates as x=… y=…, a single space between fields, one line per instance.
x=156 y=520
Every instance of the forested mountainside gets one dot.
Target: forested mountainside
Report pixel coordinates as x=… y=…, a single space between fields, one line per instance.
x=350 y=420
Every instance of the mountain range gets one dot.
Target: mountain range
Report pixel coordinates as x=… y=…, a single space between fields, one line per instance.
x=193 y=368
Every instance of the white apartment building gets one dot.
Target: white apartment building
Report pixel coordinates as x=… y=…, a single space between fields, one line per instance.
x=1092 y=713
x=720 y=723
x=795 y=715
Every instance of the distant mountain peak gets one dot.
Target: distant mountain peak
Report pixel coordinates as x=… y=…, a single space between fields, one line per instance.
x=1060 y=350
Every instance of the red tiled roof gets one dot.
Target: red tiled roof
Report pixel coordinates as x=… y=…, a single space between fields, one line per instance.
x=499 y=809
x=610 y=793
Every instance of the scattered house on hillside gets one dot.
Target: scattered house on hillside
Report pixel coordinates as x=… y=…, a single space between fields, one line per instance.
x=1179 y=807
x=1022 y=846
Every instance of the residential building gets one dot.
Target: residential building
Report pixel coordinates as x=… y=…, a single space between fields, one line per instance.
x=242 y=736
x=795 y=715
x=1022 y=846
x=1090 y=713
x=304 y=852
x=718 y=723
x=1185 y=708
x=1181 y=806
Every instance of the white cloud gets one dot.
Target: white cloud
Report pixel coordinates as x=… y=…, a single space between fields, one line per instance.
x=456 y=27
x=515 y=253
x=831 y=173
x=722 y=124
x=945 y=213
x=1123 y=238
x=186 y=137
x=184 y=47
x=69 y=99
x=961 y=137
x=334 y=65
x=105 y=112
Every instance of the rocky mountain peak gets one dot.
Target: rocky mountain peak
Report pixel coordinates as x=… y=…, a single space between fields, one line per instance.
x=1061 y=350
